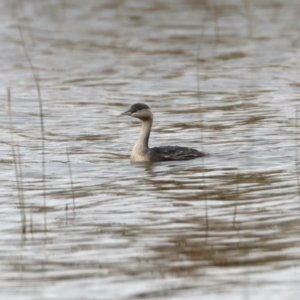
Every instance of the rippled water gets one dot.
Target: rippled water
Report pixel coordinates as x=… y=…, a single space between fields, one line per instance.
x=220 y=77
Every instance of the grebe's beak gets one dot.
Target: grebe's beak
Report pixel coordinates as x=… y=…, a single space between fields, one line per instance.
x=126 y=113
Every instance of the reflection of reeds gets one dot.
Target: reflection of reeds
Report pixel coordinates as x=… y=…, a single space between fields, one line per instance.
x=17 y=166
x=36 y=80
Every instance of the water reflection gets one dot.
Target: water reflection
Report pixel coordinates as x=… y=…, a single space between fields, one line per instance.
x=223 y=226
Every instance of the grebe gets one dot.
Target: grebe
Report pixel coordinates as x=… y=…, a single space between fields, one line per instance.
x=142 y=153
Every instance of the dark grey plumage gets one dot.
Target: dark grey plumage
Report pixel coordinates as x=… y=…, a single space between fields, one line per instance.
x=138 y=106
x=169 y=153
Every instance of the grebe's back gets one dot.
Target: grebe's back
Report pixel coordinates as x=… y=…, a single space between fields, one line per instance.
x=165 y=153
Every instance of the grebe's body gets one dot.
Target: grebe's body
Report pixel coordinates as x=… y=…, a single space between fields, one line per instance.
x=142 y=153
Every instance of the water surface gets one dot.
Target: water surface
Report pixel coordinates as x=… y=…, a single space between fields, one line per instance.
x=222 y=78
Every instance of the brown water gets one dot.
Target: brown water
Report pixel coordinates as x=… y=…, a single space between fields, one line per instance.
x=219 y=76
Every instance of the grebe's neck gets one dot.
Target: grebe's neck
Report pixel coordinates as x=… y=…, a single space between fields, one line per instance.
x=140 y=149
x=142 y=142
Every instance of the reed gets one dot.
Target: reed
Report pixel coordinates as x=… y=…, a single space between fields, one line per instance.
x=17 y=166
x=36 y=80
x=297 y=151
x=201 y=136
x=237 y=196
x=71 y=179
x=215 y=20
x=249 y=17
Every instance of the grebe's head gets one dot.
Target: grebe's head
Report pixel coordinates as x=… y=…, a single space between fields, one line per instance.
x=139 y=110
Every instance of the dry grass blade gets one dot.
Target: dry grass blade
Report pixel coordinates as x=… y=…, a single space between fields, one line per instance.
x=201 y=135
x=36 y=80
x=297 y=152
x=17 y=165
x=71 y=180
